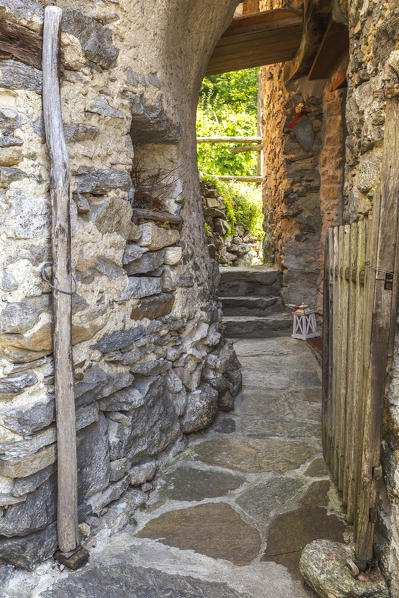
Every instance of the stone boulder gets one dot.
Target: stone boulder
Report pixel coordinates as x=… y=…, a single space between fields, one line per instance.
x=201 y=409
x=93 y=459
x=95 y=39
x=34 y=514
x=155 y=237
x=149 y=427
x=323 y=565
x=16 y=383
x=28 y=551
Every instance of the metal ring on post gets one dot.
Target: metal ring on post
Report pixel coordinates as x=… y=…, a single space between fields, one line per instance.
x=43 y=273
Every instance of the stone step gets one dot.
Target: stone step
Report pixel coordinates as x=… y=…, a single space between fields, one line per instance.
x=251 y=306
x=257 y=327
x=259 y=281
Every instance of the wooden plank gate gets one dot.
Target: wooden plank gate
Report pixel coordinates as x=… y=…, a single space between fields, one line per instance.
x=360 y=309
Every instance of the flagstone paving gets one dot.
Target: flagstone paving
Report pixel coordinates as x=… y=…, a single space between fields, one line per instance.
x=229 y=516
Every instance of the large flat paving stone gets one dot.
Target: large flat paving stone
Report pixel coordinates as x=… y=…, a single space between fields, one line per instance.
x=284 y=345
x=213 y=529
x=264 y=379
x=273 y=496
x=271 y=402
x=126 y=581
x=283 y=427
x=262 y=403
x=304 y=378
x=274 y=362
x=317 y=494
x=253 y=455
x=290 y=532
x=187 y=483
x=317 y=469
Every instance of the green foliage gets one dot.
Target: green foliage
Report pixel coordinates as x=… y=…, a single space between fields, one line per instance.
x=238 y=89
x=208 y=229
x=227 y=107
x=243 y=205
x=246 y=200
x=230 y=214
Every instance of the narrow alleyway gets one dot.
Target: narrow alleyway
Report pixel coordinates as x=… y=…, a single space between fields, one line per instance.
x=229 y=515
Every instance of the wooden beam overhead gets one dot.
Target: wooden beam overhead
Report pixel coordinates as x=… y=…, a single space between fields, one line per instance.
x=256 y=40
x=332 y=50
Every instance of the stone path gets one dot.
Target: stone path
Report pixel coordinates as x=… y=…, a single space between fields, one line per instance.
x=229 y=516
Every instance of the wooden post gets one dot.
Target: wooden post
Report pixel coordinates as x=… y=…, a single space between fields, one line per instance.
x=220 y=139
x=67 y=516
x=246 y=148
x=259 y=168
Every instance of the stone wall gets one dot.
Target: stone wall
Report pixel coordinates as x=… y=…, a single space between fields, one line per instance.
x=291 y=189
x=304 y=172
x=239 y=249
x=150 y=362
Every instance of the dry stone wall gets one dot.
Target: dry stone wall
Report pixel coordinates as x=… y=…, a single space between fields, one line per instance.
x=291 y=189
x=150 y=362
x=239 y=249
x=304 y=172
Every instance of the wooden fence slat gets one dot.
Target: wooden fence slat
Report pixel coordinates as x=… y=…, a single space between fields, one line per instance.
x=331 y=343
x=339 y=327
x=334 y=354
x=344 y=353
x=327 y=319
x=351 y=349
x=357 y=372
x=362 y=486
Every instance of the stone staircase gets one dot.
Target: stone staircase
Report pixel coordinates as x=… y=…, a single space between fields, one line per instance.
x=252 y=305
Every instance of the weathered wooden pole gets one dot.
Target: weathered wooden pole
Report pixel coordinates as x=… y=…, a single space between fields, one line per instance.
x=219 y=139
x=67 y=511
x=259 y=167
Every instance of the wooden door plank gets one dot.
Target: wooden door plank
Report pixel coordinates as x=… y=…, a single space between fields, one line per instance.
x=337 y=353
x=331 y=343
x=350 y=275
x=361 y=519
x=326 y=346
x=345 y=232
x=357 y=373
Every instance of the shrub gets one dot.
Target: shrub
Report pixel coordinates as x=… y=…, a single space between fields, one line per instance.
x=243 y=203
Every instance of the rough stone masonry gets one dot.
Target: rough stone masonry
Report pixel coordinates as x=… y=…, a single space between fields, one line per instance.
x=150 y=361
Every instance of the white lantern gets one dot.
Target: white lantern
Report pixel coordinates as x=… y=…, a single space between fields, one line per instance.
x=305 y=325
